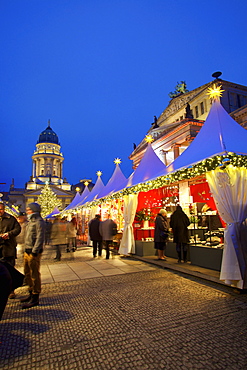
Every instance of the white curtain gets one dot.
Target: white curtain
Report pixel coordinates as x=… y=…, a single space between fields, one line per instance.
x=127 y=244
x=229 y=189
x=92 y=214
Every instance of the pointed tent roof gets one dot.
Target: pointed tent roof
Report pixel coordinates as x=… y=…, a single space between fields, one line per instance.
x=117 y=182
x=219 y=135
x=77 y=198
x=53 y=213
x=98 y=187
x=84 y=194
x=149 y=167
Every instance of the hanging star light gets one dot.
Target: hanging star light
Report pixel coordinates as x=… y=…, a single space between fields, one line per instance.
x=99 y=173
x=215 y=92
x=149 y=139
x=117 y=161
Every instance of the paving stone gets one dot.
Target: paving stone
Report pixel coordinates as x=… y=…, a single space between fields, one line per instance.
x=147 y=320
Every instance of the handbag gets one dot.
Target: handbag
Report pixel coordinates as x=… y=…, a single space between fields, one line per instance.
x=164 y=234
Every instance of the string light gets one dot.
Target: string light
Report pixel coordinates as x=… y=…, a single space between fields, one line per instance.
x=191 y=172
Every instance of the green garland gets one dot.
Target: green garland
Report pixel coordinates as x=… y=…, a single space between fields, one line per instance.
x=198 y=169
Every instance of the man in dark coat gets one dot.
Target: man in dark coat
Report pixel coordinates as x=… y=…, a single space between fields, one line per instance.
x=9 y=229
x=95 y=236
x=179 y=223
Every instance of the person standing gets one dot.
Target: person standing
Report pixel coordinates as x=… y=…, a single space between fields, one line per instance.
x=95 y=236
x=161 y=233
x=9 y=229
x=34 y=242
x=179 y=223
x=20 y=239
x=58 y=236
x=107 y=229
x=71 y=235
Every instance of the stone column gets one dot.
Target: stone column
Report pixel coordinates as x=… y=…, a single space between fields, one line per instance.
x=175 y=148
x=164 y=153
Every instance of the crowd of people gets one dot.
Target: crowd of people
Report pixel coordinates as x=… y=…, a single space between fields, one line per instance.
x=30 y=232
x=26 y=236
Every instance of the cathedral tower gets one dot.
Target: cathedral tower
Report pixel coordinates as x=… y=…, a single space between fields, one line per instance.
x=47 y=162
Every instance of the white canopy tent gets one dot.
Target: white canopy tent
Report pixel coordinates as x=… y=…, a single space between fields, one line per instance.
x=116 y=183
x=98 y=187
x=77 y=198
x=84 y=194
x=221 y=135
x=147 y=169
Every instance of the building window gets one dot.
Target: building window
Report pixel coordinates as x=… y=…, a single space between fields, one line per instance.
x=196 y=112
x=202 y=107
x=181 y=118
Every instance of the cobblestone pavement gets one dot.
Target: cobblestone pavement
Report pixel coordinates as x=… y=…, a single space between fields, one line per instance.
x=146 y=320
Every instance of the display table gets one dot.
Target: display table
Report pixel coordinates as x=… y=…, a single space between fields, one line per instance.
x=144 y=248
x=207 y=257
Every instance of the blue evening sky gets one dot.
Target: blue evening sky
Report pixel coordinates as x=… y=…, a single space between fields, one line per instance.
x=101 y=69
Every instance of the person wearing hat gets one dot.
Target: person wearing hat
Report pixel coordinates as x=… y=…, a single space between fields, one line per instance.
x=34 y=241
x=9 y=229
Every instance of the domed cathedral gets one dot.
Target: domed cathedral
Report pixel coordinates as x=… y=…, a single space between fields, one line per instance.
x=47 y=168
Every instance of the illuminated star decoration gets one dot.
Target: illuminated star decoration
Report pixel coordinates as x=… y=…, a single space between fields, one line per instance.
x=149 y=139
x=99 y=173
x=86 y=183
x=117 y=161
x=77 y=189
x=215 y=92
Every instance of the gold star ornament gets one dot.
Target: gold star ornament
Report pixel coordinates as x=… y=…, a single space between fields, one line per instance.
x=117 y=161
x=99 y=173
x=149 y=139
x=86 y=183
x=215 y=92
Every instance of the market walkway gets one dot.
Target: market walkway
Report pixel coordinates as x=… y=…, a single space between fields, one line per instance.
x=147 y=320
x=81 y=265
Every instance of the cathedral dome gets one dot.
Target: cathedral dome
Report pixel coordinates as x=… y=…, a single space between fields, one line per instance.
x=48 y=136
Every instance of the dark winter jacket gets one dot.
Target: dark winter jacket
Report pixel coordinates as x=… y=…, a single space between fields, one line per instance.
x=10 y=225
x=179 y=223
x=161 y=224
x=93 y=227
x=35 y=234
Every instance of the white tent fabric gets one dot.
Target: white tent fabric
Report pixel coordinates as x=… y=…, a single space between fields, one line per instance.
x=229 y=189
x=84 y=194
x=98 y=187
x=127 y=244
x=116 y=183
x=220 y=134
x=149 y=167
x=53 y=213
x=77 y=198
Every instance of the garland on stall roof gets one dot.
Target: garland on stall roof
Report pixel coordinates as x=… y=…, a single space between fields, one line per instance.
x=198 y=169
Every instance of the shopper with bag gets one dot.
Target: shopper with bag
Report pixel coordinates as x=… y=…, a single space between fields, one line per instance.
x=161 y=234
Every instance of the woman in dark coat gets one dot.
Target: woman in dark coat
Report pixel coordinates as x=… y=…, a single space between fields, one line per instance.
x=161 y=233
x=179 y=223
